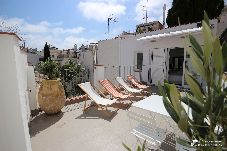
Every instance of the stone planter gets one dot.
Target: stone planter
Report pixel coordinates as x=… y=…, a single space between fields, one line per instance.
x=51 y=96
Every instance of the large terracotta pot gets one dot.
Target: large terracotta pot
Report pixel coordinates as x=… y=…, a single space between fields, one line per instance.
x=51 y=96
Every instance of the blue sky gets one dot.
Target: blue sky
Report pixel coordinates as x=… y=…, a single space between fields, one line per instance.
x=64 y=23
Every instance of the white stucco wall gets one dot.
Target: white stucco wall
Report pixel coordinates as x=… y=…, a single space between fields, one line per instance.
x=31 y=88
x=108 y=55
x=121 y=51
x=14 y=132
x=87 y=60
x=98 y=75
x=22 y=72
x=222 y=25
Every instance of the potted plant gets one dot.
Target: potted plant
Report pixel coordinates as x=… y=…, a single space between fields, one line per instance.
x=51 y=95
x=208 y=124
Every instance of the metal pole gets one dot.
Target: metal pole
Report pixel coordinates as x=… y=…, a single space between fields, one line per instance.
x=124 y=71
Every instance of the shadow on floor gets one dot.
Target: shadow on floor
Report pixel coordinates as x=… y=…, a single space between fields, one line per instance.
x=95 y=113
x=42 y=122
x=136 y=98
x=121 y=105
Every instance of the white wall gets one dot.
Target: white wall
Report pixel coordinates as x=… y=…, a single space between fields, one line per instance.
x=22 y=72
x=14 y=132
x=223 y=23
x=108 y=55
x=87 y=60
x=32 y=88
x=98 y=75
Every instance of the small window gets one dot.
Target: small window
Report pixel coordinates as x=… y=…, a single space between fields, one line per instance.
x=139 y=61
x=150 y=29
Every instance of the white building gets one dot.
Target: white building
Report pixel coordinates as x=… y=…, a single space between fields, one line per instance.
x=153 y=56
x=14 y=104
x=148 y=27
x=87 y=58
x=34 y=58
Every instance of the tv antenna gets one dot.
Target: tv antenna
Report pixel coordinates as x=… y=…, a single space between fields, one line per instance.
x=109 y=19
x=144 y=8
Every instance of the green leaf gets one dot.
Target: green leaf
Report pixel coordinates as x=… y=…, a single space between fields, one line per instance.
x=206 y=18
x=126 y=147
x=195 y=45
x=207 y=35
x=174 y=97
x=197 y=118
x=224 y=112
x=163 y=89
x=183 y=142
x=138 y=148
x=193 y=103
x=167 y=89
x=195 y=87
x=143 y=146
x=217 y=57
x=167 y=103
x=172 y=112
x=197 y=64
x=219 y=104
x=183 y=122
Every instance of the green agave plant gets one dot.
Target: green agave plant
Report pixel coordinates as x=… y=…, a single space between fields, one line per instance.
x=208 y=123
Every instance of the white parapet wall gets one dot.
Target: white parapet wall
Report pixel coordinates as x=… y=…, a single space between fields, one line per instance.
x=14 y=132
x=32 y=88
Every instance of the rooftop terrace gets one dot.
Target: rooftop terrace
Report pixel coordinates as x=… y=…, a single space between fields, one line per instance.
x=93 y=130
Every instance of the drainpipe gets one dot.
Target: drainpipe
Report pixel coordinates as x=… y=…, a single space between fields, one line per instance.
x=119 y=52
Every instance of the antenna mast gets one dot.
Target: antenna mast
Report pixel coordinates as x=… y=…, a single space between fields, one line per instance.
x=164 y=15
x=114 y=19
x=145 y=7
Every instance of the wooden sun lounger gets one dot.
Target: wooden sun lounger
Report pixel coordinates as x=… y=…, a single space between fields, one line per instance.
x=101 y=102
x=136 y=83
x=113 y=90
x=121 y=81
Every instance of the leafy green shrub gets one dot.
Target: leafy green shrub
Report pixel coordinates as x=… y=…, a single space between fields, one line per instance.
x=50 y=69
x=71 y=75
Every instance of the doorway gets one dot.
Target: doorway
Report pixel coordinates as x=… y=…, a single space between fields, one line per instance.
x=176 y=61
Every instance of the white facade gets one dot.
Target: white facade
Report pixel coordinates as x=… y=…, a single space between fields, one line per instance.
x=86 y=59
x=33 y=58
x=14 y=132
x=119 y=55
